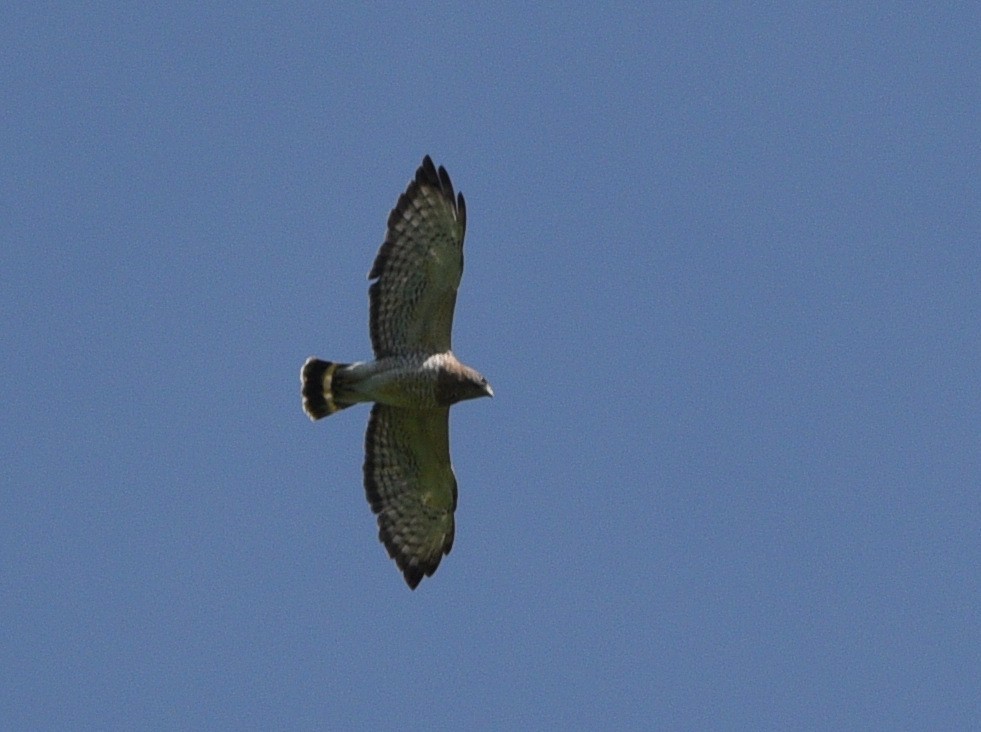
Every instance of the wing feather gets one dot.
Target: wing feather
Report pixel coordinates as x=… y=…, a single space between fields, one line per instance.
x=411 y=487
x=417 y=270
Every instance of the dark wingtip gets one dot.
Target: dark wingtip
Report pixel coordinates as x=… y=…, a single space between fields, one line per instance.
x=427 y=172
x=412 y=577
x=446 y=185
x=411 y=570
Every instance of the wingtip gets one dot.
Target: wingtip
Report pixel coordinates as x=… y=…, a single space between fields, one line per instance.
x=412 y=578
x=428 y=173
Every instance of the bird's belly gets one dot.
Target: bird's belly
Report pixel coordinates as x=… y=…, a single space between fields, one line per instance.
x=409 y=389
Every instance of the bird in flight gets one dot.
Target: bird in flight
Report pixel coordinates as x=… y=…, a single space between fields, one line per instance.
x=414 y=377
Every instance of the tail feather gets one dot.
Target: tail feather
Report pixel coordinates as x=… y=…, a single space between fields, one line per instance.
x=322 y=387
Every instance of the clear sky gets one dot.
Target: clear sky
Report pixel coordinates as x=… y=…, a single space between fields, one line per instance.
x=723 y=273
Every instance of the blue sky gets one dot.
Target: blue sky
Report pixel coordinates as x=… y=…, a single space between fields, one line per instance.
x=722 y=271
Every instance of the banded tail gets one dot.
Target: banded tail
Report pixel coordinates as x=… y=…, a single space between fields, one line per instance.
x=323 y=388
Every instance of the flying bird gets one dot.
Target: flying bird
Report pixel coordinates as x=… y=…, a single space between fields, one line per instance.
x=414 y=377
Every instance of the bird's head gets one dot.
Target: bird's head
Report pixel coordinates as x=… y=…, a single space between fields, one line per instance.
x=462 y=382
x=484 y=386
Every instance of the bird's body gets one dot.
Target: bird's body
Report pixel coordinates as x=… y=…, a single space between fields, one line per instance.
x=412 y=381
x=414 y=378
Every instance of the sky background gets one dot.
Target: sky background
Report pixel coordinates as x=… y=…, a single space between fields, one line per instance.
x=722 y=272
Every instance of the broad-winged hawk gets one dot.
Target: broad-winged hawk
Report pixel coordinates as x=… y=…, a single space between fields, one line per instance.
x=414 y=377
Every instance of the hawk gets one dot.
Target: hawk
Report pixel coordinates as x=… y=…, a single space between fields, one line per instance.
x=414 y=377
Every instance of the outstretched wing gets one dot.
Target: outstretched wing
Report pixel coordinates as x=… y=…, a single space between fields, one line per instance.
x=411 y=486
x=418 y=268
